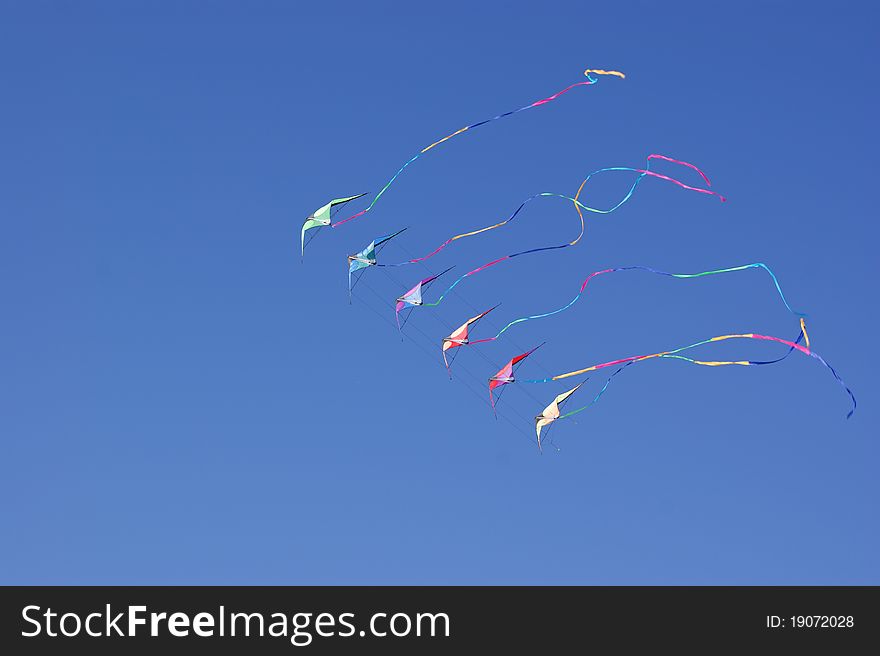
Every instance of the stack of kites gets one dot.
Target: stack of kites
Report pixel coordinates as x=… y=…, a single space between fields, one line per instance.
x=422 y=293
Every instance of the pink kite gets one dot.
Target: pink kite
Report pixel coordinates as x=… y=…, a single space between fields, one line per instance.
x=413 y=297
x=459 y=336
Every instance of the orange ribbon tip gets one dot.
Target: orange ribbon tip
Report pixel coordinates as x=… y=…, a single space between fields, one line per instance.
x=599 y=71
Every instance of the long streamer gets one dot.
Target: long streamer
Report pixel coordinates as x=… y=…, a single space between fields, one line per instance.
x=642 y=173
x=591 y=79
x=546 y=419
x=578 y=205
x=681 y=276
x=676 y=354
x=791 y=349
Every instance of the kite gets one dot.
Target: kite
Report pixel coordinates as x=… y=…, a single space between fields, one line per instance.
x=642 y=173
x=505 y=374
x=314 y=221
x=367 y=257
x=676 y=354
x=578 y=205
x=744 y=267
x=321 y=217
x=413 y=297
x=552 y=412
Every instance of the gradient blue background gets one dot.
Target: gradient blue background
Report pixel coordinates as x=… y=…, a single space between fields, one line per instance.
x=183 y=401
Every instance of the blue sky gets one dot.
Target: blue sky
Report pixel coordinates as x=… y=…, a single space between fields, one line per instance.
x=183 y=401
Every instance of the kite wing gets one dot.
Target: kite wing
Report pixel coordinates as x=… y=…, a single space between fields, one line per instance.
x=413 y=297
x=680 y=276
x=551 y=412
x=320 y=218
x=367 y=257
x=459 y=336
x=505 y=374
x=381 y=240
x=362 y=259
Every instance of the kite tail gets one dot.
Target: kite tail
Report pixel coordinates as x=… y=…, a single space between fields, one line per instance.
x=658 y=272
x=602 y=391
x=807 y=351
x=469 y=273
x=590 y=81
x=682 y=163
x=681 y=184
x=674 y=354
x=598 y=396
x=533 y=316
x=579 y=205
x=782 y=296
x=840 y=380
